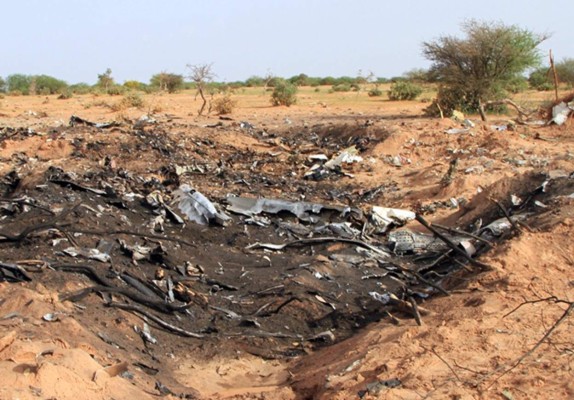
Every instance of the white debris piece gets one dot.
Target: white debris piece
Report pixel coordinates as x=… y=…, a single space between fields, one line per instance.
x=93 y=254
x=197 y=207
x=384 y=217
x=347 y=156
x=561 y=111
x=457 y=131
x=384 y=298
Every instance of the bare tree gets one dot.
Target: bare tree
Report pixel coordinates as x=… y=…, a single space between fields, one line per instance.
x=201 y=74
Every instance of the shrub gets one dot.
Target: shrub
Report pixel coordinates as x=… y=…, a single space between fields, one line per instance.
x=545 y=87
x=131 y=99
x=80 y=88
x=404 y=91
x=224 y=105
x=284 y=93
x=134 y=85
x=115 y=90
x=517 y=85
x=65 y=95
x=375 y=92
x=342 y=87
x=457 y=98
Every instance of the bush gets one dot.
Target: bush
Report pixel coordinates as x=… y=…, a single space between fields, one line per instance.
x=457 y=98
x=284 y=93
x=115 y=90
x=517 y=85
x=545 y=87
x=80 y=88
x=342 y=87
x=404 y=91
x=375 y=92
x=131 y=99
x=224 y=105
x=134 y=85
x=66 y=94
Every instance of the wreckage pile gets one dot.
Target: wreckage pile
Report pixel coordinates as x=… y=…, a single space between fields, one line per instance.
x=272 y=275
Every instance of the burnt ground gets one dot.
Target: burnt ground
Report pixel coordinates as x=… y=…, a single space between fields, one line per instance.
x=109 y=189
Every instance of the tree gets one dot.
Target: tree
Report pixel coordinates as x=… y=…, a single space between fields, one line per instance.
x=45 y=84
x=565 y=70
x=284 y=93
x=18 y=83
x=105 y=80
x=473 y=70
x=167 y=81
x=2 y=85
x=254 y=81
x=417 y=75
x=540 y=78
x=201 y=74
x=299 y=80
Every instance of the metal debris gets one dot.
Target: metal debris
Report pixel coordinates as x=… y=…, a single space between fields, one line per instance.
x=197 y=207
x=250 y=206
x=384 y=218
x=561 y=111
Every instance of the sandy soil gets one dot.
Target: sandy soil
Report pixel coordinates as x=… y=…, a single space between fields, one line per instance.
x=473 y=343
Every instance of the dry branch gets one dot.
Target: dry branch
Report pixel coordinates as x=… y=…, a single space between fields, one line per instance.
x=451 y=244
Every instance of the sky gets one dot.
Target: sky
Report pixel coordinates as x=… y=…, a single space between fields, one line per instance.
x=75 y=40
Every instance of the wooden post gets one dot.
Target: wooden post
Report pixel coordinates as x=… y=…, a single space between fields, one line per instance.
x=554 y=74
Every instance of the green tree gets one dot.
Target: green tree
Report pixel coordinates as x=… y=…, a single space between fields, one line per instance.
x=134 y=85
x=284 y=93
x=299 y=80
x=328 y=81
x=417 y=75
x=540 y=78
x=565 y=71
x=167 y=81
x=254 y=81
x=49 y=85
x=105 y=80
x=19 y=83
x=479 y=66
x=2 y=85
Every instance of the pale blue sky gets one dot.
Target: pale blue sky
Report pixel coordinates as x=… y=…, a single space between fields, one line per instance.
x=77 y=40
